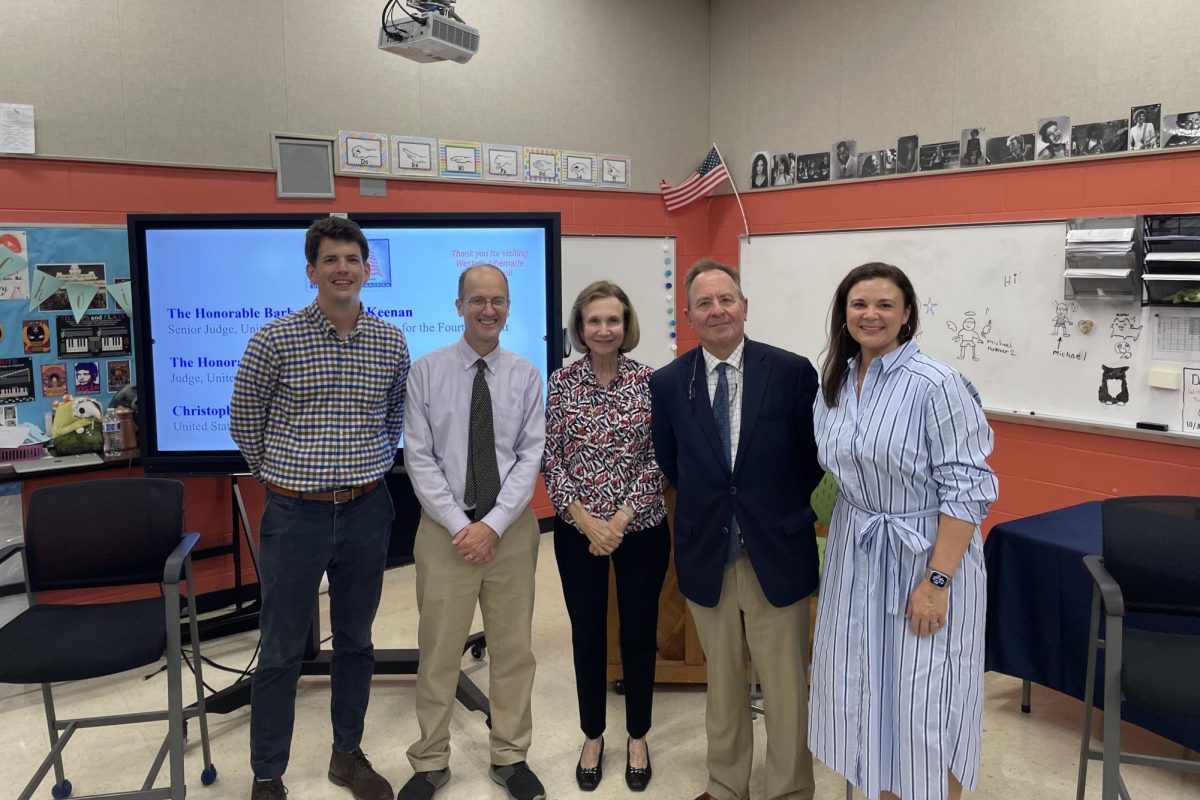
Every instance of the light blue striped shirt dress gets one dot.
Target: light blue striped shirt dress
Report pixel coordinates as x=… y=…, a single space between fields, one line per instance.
x=890 y=710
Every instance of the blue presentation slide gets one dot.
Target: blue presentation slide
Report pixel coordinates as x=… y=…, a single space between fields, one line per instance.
x=210 y=290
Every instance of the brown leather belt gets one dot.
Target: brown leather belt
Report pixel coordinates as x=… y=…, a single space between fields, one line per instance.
x=343 y=495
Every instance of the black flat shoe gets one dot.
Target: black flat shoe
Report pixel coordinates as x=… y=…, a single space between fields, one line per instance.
x=589 y=779
x=637 y=779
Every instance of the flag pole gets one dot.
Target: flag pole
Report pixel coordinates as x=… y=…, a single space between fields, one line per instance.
x=736 y=196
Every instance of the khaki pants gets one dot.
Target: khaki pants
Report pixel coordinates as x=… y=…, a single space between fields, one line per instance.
x=777 y=639
x=448 y=588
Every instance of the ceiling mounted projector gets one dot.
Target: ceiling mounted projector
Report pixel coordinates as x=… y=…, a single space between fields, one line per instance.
x=432 y=32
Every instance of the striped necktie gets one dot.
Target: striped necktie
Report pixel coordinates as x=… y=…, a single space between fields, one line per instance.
x=721 y=417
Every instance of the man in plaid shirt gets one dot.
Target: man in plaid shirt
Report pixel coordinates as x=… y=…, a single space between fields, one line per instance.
x=317 y=411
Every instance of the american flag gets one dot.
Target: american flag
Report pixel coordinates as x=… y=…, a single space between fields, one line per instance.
x=706 y=177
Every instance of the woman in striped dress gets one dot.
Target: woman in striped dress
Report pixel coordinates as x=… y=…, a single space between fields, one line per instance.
x=897 y=679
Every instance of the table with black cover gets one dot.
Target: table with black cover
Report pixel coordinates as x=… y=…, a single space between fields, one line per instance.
x=1039 y=610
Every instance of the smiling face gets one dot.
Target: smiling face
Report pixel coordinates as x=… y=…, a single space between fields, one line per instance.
x=717 y=312
x=843 y=152
x=483 y=307
x=602 y=324
x=338 y=273
x=875 y=312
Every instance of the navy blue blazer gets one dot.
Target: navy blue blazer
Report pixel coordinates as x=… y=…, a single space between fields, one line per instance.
x=773 y=476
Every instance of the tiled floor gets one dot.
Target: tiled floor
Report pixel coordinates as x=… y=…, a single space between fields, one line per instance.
x=1029 y=757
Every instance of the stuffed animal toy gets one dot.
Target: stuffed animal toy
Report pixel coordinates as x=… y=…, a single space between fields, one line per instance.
x=78 y=426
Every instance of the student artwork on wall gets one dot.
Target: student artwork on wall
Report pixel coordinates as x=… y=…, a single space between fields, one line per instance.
x=16 y=380
x=118 y=376
x=578 y=169
x=81 y=277
x=614 y=171
x=35 y=335
x=541 y=166
x=942 y=155
x=843 y=160
x=760 y=170
x=502 y=162
x=1097 y=138
x=1051 y=142
x=460 y=160
x=363 y=153
x=1144 y=125
x=414 y=156
x=14 y=266
x=54 y=380
x=1181 y=130
x=971 y=146
x=87 y=377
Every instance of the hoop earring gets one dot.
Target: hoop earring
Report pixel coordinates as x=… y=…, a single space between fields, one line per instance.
x=906 y=334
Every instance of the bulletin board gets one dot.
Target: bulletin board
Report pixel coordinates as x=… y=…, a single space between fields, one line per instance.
x=44 y=352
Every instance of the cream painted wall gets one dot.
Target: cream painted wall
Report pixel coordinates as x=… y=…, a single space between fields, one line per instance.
x=797 y=75
x=206 y=82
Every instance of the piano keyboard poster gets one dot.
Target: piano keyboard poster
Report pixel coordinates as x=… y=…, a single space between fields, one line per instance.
x=37 y=369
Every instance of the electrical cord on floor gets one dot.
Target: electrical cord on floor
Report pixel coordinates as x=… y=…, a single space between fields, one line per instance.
x=245 y=672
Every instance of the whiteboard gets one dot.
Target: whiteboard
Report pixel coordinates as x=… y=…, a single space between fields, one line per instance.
x=1030 y=351
x=644 y=266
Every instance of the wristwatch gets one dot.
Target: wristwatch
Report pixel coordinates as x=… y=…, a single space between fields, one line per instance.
x=939 y=579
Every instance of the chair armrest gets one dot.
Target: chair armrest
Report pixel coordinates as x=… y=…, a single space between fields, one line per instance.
x=1110 y=591
x=10 y=550
x=183 y=550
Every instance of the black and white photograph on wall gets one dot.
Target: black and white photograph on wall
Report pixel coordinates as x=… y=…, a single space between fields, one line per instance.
x=1144 y=125
x=943 y=155
x=888 y=165
x=781 y=169
x=1096 y=138
x=971 y=147
x=815 y=168
x=870 y=164
x=760 y=170
x=1009 y=149
x=1181 y=130
x=907 y=156
x=1051 y=142
x=843 y=162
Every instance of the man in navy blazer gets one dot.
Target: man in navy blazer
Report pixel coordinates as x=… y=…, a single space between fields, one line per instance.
x=733 y=432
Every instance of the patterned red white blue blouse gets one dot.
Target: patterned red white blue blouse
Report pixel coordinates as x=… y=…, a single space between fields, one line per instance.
x=598 y=447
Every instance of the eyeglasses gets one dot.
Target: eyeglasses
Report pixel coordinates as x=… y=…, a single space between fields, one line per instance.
x=477 y=303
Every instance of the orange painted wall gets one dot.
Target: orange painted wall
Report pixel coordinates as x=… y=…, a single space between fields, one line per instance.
x=1040 y=469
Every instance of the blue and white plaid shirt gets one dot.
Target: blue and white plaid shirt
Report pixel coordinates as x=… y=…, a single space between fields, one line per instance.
x=312 y=412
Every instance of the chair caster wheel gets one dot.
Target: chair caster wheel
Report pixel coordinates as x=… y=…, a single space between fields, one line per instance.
x=619 y=686
x=61 y=790
x=209 y=776
x=477 y=651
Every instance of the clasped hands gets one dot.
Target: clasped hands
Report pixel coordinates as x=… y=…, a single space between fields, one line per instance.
x=476 y=543
x=604 y=536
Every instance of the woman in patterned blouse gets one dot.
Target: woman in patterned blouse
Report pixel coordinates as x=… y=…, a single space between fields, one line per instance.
x=608 y=497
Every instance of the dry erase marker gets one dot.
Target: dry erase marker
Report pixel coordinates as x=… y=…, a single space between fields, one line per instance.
x=1152 y=426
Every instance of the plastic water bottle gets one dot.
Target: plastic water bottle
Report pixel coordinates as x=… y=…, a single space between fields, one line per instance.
x=112 y=433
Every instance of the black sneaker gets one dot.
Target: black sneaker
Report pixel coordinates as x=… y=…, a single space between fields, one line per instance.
x=268 y=790
x=519 y=780
x=422 y=785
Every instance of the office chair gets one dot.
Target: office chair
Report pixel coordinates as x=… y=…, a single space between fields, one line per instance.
x=1150 y=566
x=107 y=533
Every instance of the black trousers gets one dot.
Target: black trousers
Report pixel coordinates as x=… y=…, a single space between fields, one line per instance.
x=640 y=564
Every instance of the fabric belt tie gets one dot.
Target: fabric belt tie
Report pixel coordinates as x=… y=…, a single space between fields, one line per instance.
x=881 y=539
x=335 y=496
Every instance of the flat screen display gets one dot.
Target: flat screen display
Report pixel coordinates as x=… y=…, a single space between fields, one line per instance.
x=205 y=284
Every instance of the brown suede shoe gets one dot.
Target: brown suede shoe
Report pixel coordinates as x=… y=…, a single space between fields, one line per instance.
x=355 y=772
x=268 y=790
